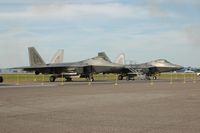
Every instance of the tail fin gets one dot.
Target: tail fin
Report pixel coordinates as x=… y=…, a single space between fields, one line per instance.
x=120 y=59
x=34 y=58
x=104 y=56
x=58 y=57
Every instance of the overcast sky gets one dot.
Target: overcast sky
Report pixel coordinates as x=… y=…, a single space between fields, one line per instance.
x=142 y=29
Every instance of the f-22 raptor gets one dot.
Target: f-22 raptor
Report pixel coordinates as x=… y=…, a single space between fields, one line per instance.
x=83 y=69
x=148 y=70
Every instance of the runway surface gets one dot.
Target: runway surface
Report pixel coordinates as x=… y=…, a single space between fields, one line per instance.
x=101 y=107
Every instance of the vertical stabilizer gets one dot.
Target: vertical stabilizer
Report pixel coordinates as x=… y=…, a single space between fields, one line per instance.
x=58 y=57
x=120 y=59
x=34 y=58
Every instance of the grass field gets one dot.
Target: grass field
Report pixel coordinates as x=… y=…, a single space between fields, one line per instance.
x=17 y=78
x=9 y=78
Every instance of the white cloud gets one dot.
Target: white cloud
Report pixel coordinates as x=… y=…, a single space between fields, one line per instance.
x=114 y=10
x=192 y=33
x=142 y=35
x=155 y=8
x=180 y=2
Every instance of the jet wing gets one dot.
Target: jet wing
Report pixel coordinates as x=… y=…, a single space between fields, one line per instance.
x=55 y=69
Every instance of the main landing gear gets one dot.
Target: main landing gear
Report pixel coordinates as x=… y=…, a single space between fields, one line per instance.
x=68 y=79
x=90 y=78
x=128 y=77
x=53 y=78
x=120 y=77
x=155 y=78
x=151 y=77
x=132 y=77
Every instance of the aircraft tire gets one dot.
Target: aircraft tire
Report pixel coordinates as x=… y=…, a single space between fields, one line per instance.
x=128 y=78
x=120 y=77
x=52 y=78
x=148 y=78
x=37 y=72
x=1 y=79
x=154 y=77
x=68 y=79
x=92 y=79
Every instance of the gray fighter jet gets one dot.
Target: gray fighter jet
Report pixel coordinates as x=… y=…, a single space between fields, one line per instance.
x=149 y=69
x=83 y=69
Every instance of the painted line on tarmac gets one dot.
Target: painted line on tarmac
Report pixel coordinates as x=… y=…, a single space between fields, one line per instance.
x=27 y=86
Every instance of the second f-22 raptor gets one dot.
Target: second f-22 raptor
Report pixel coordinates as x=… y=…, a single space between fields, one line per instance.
x=83 y=69
x=148 y=70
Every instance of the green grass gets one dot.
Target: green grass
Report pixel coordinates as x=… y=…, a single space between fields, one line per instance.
x=15 y=78
x=178 y=75
x=23 y=78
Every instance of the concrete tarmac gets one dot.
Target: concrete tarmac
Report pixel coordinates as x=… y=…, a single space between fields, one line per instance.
x=102 y=107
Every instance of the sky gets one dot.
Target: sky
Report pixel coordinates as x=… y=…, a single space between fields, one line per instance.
x=144 y=30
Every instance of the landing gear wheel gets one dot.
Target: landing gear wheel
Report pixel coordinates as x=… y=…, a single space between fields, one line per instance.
x=128 y=78
x=147 y=78
x=154 y=77
x=92 y=79
x=68 y=79
x=120 y=77
x=52 y=78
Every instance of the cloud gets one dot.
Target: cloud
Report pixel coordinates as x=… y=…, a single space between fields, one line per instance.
x=181 y=2
x=155 y=9
x=88 y=9
x=192 y=33
x=139 y=30
x=113 y=10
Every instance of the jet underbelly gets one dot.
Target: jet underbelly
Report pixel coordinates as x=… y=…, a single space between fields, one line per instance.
x=100 y=65
x=165 y=69
x=106 y=69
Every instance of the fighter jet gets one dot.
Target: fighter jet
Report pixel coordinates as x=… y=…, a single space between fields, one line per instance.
x=83 y=69
x=149 y=69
